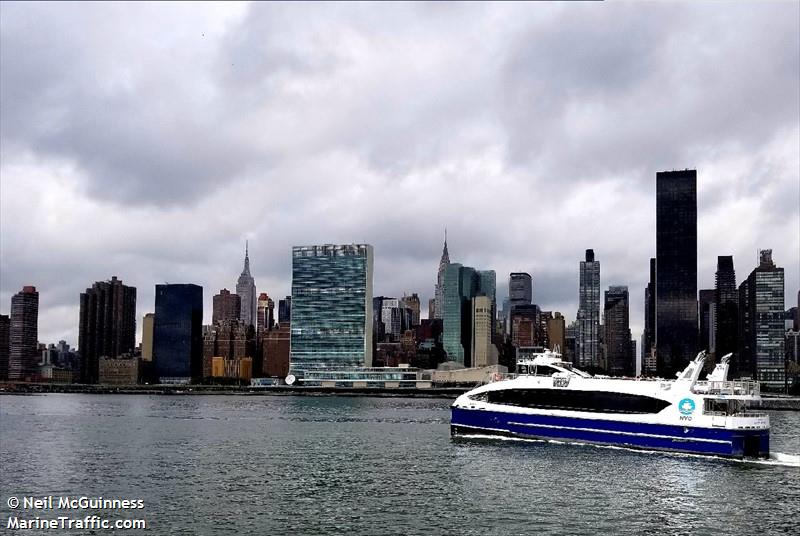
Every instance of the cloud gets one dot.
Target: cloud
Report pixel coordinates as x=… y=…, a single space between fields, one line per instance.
x=149 y=141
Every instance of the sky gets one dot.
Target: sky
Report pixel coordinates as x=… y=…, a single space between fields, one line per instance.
x=150 y=141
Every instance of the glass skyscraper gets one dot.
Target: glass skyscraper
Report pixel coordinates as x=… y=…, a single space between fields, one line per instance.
x=726 y=311
x=762 y=350
x=676 y=270
x=587 y=341
x=331 y=317
x=461 y=284
x=178 y=332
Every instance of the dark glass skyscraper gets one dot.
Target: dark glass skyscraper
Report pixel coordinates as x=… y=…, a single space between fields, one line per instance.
x=178 y=332
x=726 y=311
x=107 y=325
x=706 y=305
x=331 y=306
x=616 y=323
x=587 y=343
x=649 y=333
x=23 y=335
x=676 y=270
x=461 y=284
x=520 y=289
x=285 y=310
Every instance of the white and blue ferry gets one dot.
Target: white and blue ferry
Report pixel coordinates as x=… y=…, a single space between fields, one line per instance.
x=550 y=399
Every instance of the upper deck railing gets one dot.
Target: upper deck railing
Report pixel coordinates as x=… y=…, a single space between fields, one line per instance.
x=735 y=387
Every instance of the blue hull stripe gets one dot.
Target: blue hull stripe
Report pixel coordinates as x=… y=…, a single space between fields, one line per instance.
x=717 y=441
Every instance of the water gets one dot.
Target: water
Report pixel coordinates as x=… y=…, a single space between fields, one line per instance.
x=368 y=466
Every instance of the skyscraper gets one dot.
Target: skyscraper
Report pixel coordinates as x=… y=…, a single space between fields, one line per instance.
x=246 y=290
x=616 y=323
x=761 y=295
x=483 y=351
x=439 y=291
x=5 y=326
x=676 y=270
x=226 y=306
x=331 y=324
x=107 y=325
x=556 y=333
x=266 y=312
x=148 y=323
x=726 y=311
x=412 y=303
x=460 y=285
x=706 y=305
x=587 y=341
x=178 y=332
x=23 y=334
x=649 y=332
x=520 y=289
x=285 y=310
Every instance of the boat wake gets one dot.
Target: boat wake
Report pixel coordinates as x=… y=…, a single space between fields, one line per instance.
x=776 y=458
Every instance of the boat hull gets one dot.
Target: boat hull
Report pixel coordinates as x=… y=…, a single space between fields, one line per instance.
x=736 y=443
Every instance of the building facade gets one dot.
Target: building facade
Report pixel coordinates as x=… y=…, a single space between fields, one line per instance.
x=706 y=309
x=23 y=334
x=226 y=306
x=556 y=333
x=107 y=325
x=331 y=318
x=484 y=352
x=676 y=270
x=266 y=312
x=275 y=351
x=118 y=371
x=246 y=290
x=587 y=340
x=227 y=339
x=761 y=300
x=412 y=303
x=726 y=311
x=616 y=323
x=177 y=332
x=5 y=327
x=285 y=310
x=147 y=336
x=461 y=284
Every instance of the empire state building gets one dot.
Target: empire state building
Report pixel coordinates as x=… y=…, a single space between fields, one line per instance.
x=246 y=289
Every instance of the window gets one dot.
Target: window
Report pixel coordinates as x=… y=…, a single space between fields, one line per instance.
x=591 y=401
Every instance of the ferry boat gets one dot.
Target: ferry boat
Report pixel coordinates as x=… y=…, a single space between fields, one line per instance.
x=551 y=399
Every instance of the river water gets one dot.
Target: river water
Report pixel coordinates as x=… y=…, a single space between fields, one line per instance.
x=369 y=466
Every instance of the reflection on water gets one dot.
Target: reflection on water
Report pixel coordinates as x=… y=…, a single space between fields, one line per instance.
x=362 y=466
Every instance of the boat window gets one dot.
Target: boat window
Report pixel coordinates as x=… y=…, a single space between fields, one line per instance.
x=712 y=405
x=480 y=397
x=590 y=401
x=545 y=370
x=522 y=369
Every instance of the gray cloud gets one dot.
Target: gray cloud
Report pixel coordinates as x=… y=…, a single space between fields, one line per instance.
x=149 y=141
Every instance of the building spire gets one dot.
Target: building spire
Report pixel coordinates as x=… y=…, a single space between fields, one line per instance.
x=445 y=254
x=246 y=270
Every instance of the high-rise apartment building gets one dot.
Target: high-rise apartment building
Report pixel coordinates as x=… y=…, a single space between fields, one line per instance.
x=761 y=308
x=331 y=317
x=587 y=341
x=246 y=290
x=228 y=340
x=706 y=306
x=616 y=323
x=5 y=326
x=676 y=270
x=556 y=332
x=107 y=325
x=178 y=332
x=147 y=336
x=484 y=352
x=23 y=334
x=226 y=306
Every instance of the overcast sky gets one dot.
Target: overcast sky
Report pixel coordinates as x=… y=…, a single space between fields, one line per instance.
x=149 y=141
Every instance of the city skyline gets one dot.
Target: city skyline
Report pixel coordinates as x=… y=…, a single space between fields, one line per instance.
x=512 y=200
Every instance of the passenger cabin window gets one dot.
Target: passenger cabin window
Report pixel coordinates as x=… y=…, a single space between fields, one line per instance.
x=565 y=399
x=545 y=370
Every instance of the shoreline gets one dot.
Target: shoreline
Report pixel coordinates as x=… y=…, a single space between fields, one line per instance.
x=779 y=402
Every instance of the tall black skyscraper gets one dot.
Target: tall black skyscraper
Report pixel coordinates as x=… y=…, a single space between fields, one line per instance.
x=676 y=270
x=178 y=332
x=285 y=310
x=649 y=333
x=726 y=336
x=107 y=325
x=706 y=305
